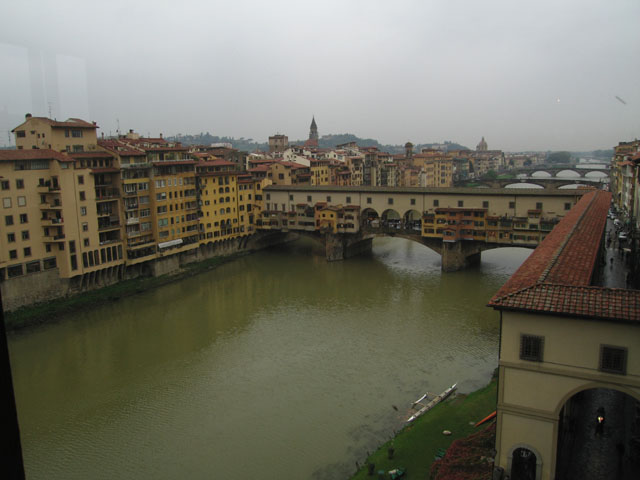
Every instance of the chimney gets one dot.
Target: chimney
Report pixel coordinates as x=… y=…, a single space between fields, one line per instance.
x=160 y=135
x=27 y=116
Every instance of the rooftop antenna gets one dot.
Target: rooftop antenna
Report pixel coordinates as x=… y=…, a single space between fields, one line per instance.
x=118 y=128
x=49 y=109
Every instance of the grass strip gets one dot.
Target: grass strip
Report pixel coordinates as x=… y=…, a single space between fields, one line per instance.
x=417 y=444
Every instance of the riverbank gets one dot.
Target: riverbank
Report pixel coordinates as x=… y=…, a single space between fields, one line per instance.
x=36 y=314
x=416 y=446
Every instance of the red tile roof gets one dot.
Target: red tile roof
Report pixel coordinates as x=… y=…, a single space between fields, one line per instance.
x=120 y=148
x=556 y=278
x=69 y=123
x=568 y=300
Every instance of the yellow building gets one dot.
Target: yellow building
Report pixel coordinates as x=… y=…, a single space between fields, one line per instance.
x=320 y=172
x=72 y=135
x=136 y=206
x=564 y=345
x=50 y=219
x=219 y=198
x=172 y=194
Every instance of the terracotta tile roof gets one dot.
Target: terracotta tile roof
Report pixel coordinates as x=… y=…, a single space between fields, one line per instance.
x=569 y=300
x=216 y=163
x=120 y=148
x=556 y=278
x=173 y=162
x=93 y=154
x=33 y=154
x=69 y=123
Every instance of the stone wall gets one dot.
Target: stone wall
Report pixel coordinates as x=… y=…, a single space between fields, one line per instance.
x=33 y=288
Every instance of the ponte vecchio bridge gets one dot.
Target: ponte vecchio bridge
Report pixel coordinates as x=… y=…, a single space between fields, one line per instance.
x=457 y=223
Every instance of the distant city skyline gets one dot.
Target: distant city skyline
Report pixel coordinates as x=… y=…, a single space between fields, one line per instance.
x=543 y=76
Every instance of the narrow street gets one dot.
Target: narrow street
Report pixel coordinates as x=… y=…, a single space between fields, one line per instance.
x=616 y=270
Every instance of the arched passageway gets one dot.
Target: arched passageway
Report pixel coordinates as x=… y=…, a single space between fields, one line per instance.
x=599 y=436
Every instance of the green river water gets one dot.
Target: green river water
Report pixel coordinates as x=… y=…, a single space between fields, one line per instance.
x=277 y=365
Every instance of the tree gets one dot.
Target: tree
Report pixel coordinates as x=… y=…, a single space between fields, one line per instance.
x=491 y=175
x=559 y=157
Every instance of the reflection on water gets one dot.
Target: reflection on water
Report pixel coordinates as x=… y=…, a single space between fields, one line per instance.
x=276 y=365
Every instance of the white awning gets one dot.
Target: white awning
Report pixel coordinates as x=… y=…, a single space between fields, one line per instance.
x=171 y=243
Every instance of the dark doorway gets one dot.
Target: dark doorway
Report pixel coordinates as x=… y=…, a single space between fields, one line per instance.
x=523 y=464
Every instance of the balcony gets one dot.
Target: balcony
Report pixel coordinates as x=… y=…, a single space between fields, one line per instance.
x=131 y=206
x=111 y=223
x=52 y=221
x=48 y=187
x=54 y=238
x=133 y=221
x=106 y=194
x=56 y=205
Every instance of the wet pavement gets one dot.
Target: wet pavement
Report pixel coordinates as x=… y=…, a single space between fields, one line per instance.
x=615 y=273
x=589 y=453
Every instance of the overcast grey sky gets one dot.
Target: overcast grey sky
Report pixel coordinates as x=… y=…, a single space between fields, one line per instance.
x=526 y=75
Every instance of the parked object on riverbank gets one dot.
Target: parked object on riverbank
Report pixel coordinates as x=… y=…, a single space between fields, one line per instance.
x=485 y=419
x=446 y=432
x=432 y=403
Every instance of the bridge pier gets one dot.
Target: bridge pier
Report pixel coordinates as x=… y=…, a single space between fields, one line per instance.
x=459 y=255
x=341 y=247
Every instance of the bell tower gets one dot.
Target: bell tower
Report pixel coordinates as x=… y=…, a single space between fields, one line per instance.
x=313 y=130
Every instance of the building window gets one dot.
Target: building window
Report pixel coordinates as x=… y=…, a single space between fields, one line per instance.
x=86 y=242
x=413 y=201
x=13 y=254
x=348 y=199
x=49 y=263
x=8 y=220
x=27 y=251
x=33 y=267
x=328 y=198
x=538 y=205
x=11 y=237
x=14 y=271
x=460 y=203
x=76 y=133
x=613 y=359
x=85 y=227
x=436 y=203
x=369 y=200
x=290 y=198
x=6 y=202
x=567 y=206
x=25 y=234
x=4 y=184
x=81 y=179
x=531 y=347
x=22 y=201
x=83 y=211
x=485 y=204
x=23 y=218
x=309 y=198
x=21 y=134
x=82 y=196
x=512 y=204
x=390 y=201
x=19 y=183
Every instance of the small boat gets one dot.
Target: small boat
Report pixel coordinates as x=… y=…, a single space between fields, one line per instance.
x=432 y=403
x=485 y=419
